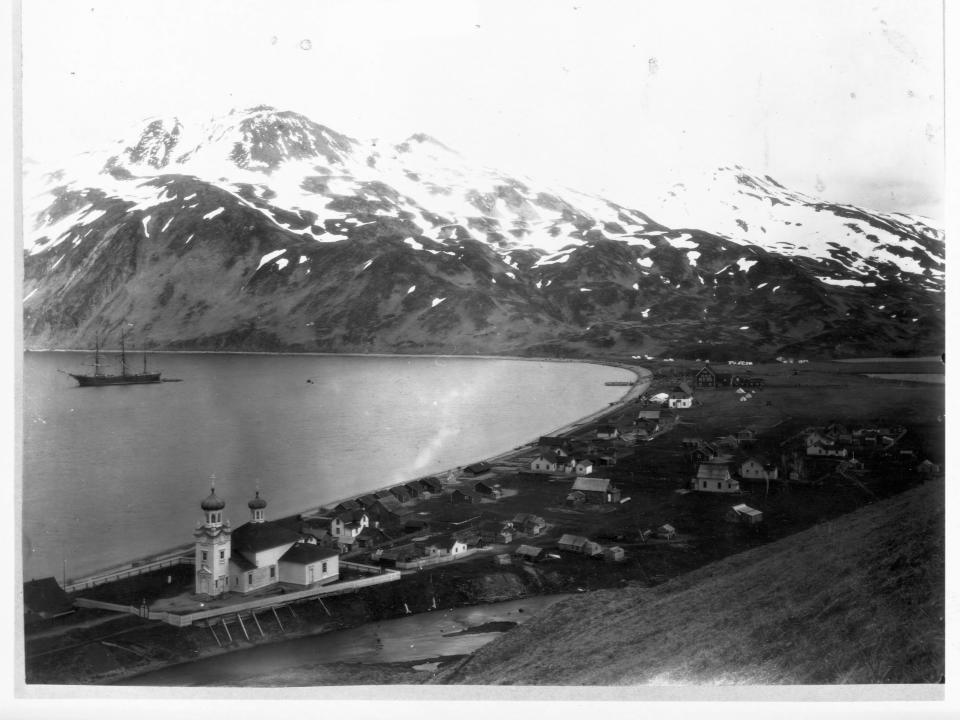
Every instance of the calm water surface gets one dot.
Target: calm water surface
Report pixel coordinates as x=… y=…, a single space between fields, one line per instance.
x=114 y=473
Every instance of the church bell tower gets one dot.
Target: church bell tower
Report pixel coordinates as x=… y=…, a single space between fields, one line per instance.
x=212 y=548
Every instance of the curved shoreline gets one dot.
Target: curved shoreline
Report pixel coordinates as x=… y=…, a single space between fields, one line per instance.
x=643 y=377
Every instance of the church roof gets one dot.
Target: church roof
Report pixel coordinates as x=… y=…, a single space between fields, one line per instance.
x=257 y=537
x=306 y=553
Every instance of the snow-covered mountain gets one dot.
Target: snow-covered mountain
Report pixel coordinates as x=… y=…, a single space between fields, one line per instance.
x=266 y=230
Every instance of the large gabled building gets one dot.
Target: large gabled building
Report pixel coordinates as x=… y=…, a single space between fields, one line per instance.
x=256 y=555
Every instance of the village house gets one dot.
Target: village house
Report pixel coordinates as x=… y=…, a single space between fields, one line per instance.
x=547 y=461
x=464 y=497
x=477 y=469
x=824 y=450
x=597 y=490
x=401 y=493
x=607 y=432
x=680 y=400
x=578 y=544
x=493 y=531
x=755 y=468
x=744 y=514
x=441 y=545
x=649 y=414
x=528 y=553
x=613 y=554
x=576 y=498
x=258 y=554
x=705 y=452
x=562 y=446
x=489 y=491
x=529 y=524
x=707 y=377
x=431 y=486
x=371 y=538
x=583 y=466
x=666 y=532
x=416 y=491
x=715 y=477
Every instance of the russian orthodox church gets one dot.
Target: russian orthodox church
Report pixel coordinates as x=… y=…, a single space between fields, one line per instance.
x=256 y=555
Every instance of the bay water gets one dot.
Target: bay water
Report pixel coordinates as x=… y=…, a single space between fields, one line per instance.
x=111 y=474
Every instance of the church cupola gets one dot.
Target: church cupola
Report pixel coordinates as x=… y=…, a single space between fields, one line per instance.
x=257 y=506
x=212 y=507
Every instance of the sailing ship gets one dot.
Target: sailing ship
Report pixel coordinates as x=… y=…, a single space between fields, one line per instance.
x=125 y=377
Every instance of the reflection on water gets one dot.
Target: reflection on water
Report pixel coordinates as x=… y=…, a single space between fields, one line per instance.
x=406 y=639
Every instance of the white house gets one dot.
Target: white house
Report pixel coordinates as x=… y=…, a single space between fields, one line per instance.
x=547 y=461
x=680 y=400
x=755 y=469
x=715 y=477
x=579 y=467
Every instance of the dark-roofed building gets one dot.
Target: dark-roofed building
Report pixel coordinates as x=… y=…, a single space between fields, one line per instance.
x=528 y=553
x=597 y=490
x=562 y=444
x=490 y=491
x=416 y=491
x=401 y=493
x=479 y=468
x=465 y=497
x=579 y=544
x=495 y=532
x=307 y=563
x=528 y=523
x=347 y=505
x=45 y=599
x=547 y=461
x=431 y=485
x=744 y=514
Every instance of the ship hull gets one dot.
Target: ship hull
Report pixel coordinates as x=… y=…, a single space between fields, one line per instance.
x=102 y=380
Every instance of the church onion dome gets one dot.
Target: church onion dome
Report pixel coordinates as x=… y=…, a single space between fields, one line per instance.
x=212 y=502
x=258 y=503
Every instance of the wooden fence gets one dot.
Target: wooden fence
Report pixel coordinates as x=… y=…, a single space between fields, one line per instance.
x=126 y=572
x=183 y=620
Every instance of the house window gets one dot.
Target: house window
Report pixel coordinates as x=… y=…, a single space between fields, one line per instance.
x=323 y=568
x=273 y=571
x=249 y=578
x=719 y=485
x=222 y=555
x=203 y=555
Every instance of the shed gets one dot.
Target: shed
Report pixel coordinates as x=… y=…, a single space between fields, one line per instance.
x=431 y=485
x=401 y=493
x=666 y=532
x=491 y=491
x=465 y=497
x=744 y=514
x=528 y=553
x=502 y=559
x=576 y=498
x=613 y=554
x=479 y=468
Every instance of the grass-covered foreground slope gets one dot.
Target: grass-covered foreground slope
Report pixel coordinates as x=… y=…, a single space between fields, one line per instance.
x=859 y=599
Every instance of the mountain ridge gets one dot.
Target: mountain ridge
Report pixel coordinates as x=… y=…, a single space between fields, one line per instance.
x=273 y=232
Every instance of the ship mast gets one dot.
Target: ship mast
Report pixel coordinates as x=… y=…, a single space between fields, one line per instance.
x=97 y=370
x=123 y=354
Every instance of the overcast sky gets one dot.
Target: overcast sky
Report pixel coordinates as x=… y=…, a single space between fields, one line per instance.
x=842 y=99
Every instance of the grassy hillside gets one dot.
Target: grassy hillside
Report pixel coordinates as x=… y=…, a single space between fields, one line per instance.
x=858 y=599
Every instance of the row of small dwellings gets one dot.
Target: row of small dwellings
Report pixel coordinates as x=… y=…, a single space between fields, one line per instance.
x=707 y=377
x=838 y=440
x=564 y=456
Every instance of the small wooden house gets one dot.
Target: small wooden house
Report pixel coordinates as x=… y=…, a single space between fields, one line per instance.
x=529 y=524
x=433 y=486
x=744 y=514
x=613 y=554
x=597 y=490
x=715 y=477
x=607 y=432
x=401 y=493
x=477 y=469
x=489 y=491
x=495 y=532
x=528 y=553
x=464 y=497
x=547 y=461
x=754 y=468
x=666 y=532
